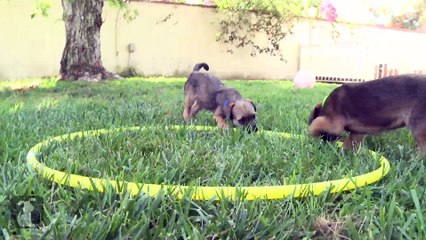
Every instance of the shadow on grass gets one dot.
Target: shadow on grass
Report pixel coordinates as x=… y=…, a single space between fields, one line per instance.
x=277 y=101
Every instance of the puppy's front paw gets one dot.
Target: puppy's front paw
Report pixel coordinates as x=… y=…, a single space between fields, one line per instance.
x=223 y=125
x=351 y=145
x=186 y=116
x=221 y=122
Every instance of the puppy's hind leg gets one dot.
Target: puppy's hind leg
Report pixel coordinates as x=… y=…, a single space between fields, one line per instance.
x=420 y=135
x=189 y=102
x=417 y=124
x=195 y=108
x=421 y=142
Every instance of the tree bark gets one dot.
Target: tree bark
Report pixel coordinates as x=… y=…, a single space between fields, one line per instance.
x=81 y=58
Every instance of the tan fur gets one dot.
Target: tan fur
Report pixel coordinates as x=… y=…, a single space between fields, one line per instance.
x=241 y=109
x=325 y=124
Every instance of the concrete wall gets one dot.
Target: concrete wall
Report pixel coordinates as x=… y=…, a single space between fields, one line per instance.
x=29 y=48
x=359 y=49
x=172 y=47
x=33 y=47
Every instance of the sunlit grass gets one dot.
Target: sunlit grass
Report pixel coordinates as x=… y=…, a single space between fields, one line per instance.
x=390 y=209
x=208 y=158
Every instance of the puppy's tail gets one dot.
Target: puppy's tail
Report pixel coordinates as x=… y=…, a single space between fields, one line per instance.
x=198 y=66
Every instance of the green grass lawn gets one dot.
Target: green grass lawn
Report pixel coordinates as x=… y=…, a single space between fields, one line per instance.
x=393 y=208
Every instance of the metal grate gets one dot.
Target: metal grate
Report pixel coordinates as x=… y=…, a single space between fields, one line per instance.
x=328 y=79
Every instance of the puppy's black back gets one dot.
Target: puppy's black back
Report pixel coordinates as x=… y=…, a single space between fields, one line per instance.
x=380 y=104
x=387 y=94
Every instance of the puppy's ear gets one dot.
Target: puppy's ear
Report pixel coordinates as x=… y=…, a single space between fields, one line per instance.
x=250 y=101
x=325 y=129
x=315 y=113
x=231 y=107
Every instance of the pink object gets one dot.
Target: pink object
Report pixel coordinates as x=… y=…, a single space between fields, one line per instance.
x=328 y=10
x=209 y=2
x=304 y=79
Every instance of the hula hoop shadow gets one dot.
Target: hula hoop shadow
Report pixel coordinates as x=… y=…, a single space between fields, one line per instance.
x=199 y=193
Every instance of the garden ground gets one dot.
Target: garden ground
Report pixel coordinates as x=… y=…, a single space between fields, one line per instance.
x=33 y=110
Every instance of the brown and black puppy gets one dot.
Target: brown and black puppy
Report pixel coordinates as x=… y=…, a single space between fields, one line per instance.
x=205 y=91
x=372 y=107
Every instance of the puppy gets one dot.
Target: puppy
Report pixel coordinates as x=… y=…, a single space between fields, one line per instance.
x=372 y=107
x=205 y=91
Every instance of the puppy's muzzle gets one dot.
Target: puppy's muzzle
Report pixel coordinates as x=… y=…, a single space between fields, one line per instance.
x=249 y=124
x=329 y=137
x=252 y=128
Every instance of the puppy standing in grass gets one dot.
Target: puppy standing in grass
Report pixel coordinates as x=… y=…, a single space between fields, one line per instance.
x=372 y=107
x=205 y=91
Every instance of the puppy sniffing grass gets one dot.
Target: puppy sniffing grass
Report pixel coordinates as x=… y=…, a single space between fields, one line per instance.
x=372 y=107
x=205 y=91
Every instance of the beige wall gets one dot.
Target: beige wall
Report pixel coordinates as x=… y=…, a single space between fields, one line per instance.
x=29 y=48
x=359 y=49
x=32 y=48
x=188 y=37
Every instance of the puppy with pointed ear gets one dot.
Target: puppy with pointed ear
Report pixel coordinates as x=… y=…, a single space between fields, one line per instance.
x=373 y=107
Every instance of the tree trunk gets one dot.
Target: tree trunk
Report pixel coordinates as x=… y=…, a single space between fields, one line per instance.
x=81 y=59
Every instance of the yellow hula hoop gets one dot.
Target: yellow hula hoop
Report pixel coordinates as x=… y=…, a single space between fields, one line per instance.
x=199 y=193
